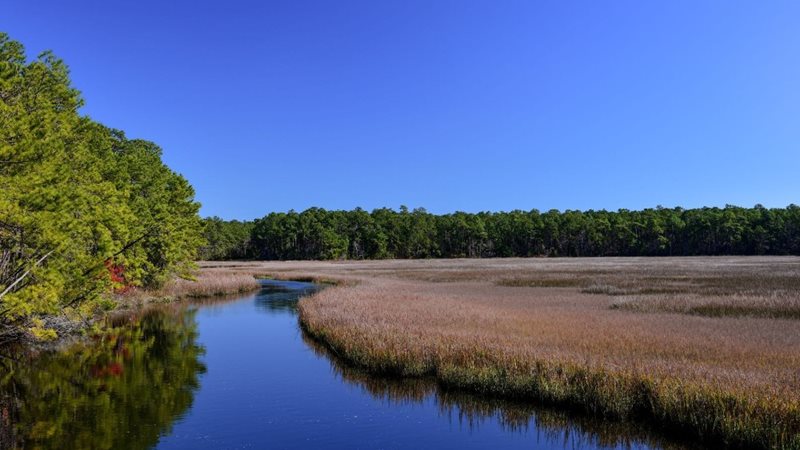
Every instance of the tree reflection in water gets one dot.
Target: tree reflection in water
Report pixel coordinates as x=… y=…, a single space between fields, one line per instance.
x=283 y=295
x=122 y=390
x=126 y=389
x=556 y=426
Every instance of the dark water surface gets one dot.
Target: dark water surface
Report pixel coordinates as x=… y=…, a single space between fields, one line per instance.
x=240 y=374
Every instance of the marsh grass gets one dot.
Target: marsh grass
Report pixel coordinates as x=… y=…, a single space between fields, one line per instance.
x=516 y=329
x=735 y=290
x=555 y=425
x=542 y=282
x=693 y=345
x=716 y=295
x=769 y=305
x=208 y=282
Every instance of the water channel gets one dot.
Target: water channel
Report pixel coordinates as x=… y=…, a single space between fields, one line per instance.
x=239 y=373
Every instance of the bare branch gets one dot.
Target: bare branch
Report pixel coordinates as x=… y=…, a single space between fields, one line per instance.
x=22 y=277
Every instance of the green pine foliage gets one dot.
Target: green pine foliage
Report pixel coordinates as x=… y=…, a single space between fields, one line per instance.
x=226 y=239
x=385 y=233
x=83 y=209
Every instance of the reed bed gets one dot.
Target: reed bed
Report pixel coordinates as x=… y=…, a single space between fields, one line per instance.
x=570 y=332
x=776 y=305
x=208 y=282
x=555 y=425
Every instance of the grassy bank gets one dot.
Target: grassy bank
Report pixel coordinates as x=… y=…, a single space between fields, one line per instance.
x=207 y=283
x=712 y=414
x=727 y=380
x=555 y=424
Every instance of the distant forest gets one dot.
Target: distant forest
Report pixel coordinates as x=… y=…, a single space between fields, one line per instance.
x=385 y=233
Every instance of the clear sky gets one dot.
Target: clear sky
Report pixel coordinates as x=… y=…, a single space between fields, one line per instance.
x=448 y=105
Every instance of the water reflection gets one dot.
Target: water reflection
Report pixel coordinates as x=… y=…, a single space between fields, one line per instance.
x=137 y=387
x=283 y=295
x=556 y=427
x=122 y=390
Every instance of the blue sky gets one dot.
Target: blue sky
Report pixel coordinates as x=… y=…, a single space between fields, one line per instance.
x=448 y=105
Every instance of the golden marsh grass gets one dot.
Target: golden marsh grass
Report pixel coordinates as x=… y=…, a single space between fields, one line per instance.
x=709 y=346
x=209 y=282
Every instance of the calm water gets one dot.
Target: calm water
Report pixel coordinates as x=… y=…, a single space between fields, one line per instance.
x=239 y=374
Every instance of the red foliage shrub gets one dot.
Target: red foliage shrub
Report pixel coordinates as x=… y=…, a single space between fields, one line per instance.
x=116 y=273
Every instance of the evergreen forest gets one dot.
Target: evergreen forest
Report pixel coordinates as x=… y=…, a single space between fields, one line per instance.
x=385 y=233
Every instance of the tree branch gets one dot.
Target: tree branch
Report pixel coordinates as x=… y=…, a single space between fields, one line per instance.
x=22 y=277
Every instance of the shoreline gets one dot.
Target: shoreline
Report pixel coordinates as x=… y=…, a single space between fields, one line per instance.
x=209 y=284
x=584 y=391
x=714 y=412
x=425 y=319
x=519 y=412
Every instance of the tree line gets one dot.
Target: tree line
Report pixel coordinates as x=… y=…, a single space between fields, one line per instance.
x=84 y=210
x=385 y=233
